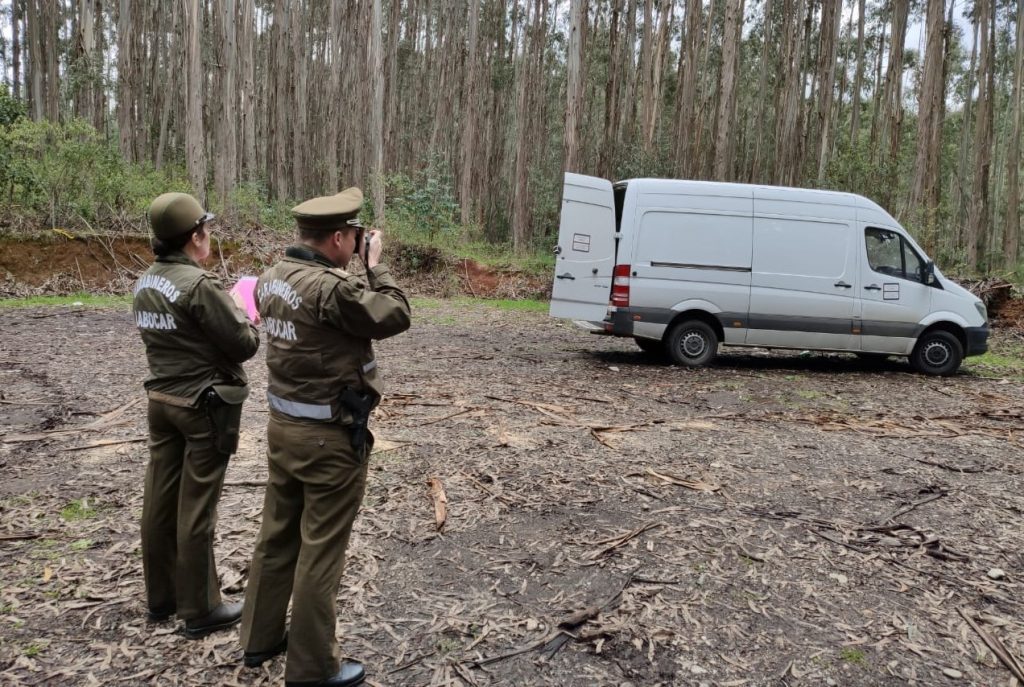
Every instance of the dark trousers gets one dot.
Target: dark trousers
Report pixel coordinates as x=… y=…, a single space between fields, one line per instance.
x=179 y=512
x=316 y=486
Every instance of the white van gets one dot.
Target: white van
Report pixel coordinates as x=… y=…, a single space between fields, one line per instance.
x=682 y=266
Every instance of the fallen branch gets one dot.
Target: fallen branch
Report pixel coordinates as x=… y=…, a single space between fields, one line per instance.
x=616 y=543
x=911 y=506
x=997 y=647
x=105 y=442
x=696 y=485
x=440 y=501
x=19 y=537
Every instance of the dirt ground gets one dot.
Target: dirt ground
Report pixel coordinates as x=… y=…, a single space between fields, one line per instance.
x=772 y=520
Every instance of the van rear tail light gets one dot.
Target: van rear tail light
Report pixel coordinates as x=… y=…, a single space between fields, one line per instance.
x=620 y=286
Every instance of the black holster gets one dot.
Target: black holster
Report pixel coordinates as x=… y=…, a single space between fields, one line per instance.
x=225 y=421
x=359 y=405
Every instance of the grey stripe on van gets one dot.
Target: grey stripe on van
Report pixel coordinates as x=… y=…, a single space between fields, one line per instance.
x=623 y=319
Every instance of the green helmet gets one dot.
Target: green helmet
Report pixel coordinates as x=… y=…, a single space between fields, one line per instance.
x=173 y=214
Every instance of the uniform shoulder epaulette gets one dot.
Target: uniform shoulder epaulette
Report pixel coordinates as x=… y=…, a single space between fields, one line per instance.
x=338 y=272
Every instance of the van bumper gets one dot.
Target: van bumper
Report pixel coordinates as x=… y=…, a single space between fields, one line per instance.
x=977 y=340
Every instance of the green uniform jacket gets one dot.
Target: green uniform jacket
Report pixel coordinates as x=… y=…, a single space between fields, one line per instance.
x=195 y=336
x=319 y=322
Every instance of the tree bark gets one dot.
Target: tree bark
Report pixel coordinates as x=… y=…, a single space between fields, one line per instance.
x=377 y=115
x=194 y=140
x=724 y=135
x=831 y=17
x=978 y=217
x=924 y=194
x=1011 y=226
x=574 y=86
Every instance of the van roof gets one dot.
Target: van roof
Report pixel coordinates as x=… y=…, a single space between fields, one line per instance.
x=721 y=188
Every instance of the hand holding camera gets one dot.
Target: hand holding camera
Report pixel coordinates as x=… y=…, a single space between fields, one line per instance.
x=370 y=247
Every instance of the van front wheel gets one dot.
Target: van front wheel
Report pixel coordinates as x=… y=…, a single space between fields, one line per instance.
x=692 y=343
x=937 y=353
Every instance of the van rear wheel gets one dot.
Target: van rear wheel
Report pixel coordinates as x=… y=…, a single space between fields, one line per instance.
x=692 y=343
x=937 y=353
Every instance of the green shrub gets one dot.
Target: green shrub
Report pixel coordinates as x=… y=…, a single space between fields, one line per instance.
x=67 y=175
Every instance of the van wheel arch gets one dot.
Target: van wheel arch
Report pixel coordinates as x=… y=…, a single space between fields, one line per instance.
x=696 y=330
x=943 y=335
x=703 y=315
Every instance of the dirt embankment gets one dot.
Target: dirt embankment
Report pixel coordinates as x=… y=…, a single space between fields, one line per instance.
x=61 y=265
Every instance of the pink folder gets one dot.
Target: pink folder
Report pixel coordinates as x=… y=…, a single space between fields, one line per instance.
x=246 y=288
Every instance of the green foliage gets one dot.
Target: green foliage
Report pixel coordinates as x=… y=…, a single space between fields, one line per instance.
x=249 y=207
x=78 y=299
x=68 y=175
x=79 y=509
x=422 y=208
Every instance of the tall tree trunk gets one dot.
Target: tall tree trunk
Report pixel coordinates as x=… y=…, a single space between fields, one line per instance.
x=858 y=79
x=225 y=168
x=687 y=140
x=126 y=61
x=1011 y=226
x=247 y=95
x=787 y=132
x=978 y=217
x=760 y=141
x=280 y=101
x=924 y=194
x=334 y=93
x=194 y=143
x=16 y=27
x=724 y=134
x=894 y=93
x=35 y=70
x=521 y=229
x=470 y=115
x=377 y=114
x=574 y=86
x=300 y=103
x=831 y=17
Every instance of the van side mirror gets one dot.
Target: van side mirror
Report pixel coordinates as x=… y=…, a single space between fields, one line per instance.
x=928 y=273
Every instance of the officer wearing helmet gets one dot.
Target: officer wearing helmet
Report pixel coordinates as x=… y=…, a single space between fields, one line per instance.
x=323 y=382
x=196 y=340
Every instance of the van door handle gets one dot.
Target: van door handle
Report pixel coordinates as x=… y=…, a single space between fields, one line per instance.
x=567 y=275
x=872 y=287
x=843 y=285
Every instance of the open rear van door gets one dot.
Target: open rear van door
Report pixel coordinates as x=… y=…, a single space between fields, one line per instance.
x=585 y=255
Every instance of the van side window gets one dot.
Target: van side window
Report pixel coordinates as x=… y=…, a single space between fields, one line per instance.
x=890 y=254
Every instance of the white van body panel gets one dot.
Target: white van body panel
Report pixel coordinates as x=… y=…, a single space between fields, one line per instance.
x=670 y=255
x=803 y=288
x=586 y=249
x=771 y=266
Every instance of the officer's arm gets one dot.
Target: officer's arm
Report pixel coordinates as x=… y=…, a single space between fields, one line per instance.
x=224 y=324
x=375 y=313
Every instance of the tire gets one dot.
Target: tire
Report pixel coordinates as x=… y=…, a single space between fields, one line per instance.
x=692 y=343
x=937 y=353
x=650 y=346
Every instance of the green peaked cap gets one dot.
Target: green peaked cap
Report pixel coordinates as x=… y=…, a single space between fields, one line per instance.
x=330 y=212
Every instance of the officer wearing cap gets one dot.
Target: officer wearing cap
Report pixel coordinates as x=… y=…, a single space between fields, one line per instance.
x=196 y=340
x=322 y=384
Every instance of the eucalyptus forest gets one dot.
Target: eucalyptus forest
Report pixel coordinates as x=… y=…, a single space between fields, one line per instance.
x=915 y=104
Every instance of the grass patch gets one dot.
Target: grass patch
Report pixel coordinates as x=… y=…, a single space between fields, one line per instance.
x=76 y=300
x=79 y=509
x=851 y=655
x=1005 y=359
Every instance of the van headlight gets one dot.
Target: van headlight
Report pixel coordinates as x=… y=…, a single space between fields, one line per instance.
x=982 y=310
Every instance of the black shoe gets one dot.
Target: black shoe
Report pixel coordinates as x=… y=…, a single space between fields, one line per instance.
x=220 y=618
x=351 y=674
x=254 y=659
x=158 y=615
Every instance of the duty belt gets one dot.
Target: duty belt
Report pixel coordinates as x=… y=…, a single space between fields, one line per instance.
x=312 y=411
